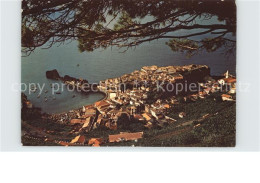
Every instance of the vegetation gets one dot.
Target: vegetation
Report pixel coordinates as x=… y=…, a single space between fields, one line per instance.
x=200 y=107
x=217 y=130
x=129 y=23
x=32 y=142
x=126 y=124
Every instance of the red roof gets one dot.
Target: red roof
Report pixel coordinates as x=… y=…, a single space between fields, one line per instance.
x=74 y=121
x=138 y=116
x=227 y=96
x=230 y=80
x=167 y=106
x=95 y=142
x=87 y=115
x=125 y=136
x=101 y=103
x=89 y=106
x=78 y=139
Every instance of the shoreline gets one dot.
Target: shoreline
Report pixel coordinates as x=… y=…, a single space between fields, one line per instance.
x=89 y=93
x=105 y=94
x=144 y=106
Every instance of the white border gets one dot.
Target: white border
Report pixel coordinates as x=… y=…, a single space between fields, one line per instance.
x=247 y=72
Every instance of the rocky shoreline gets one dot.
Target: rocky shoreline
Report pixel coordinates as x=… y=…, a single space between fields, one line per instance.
x=81 y=84
x=62 y=117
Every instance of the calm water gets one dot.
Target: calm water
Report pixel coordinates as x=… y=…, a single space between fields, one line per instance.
x=102 y=64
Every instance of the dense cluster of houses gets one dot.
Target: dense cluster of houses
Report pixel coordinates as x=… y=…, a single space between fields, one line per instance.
x=132 y=100
x=129 y=95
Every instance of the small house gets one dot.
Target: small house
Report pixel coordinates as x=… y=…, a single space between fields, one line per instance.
x=226 y=97
x=125 y=136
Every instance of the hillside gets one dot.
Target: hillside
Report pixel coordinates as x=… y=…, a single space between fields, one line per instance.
x=216 y=130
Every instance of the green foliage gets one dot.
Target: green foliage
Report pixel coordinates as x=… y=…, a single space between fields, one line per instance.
x=152 y=96
x=123 y=121
x=86 y=45
x=123 y=22
x=93 y=23
x=187 y=46
x=192 y=47
x=129 y=124
x=27 y=36
x=212 y=44
x=31 y=142
x=101 y=132
x=195 y=110
x=218 y=130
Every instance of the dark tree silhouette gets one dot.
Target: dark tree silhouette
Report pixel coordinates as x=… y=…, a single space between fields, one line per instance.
x=129 y=23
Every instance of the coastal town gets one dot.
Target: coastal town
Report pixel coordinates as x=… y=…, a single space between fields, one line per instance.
x=145 y=96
